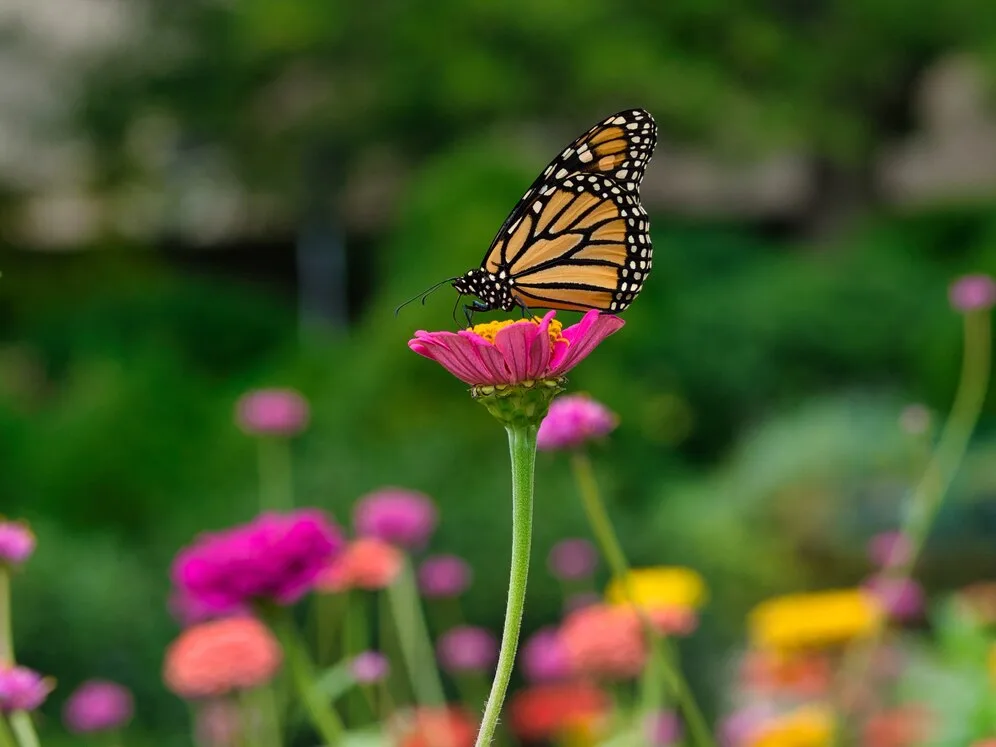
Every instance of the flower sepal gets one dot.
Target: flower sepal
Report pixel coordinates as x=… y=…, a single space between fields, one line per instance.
x=522 y=404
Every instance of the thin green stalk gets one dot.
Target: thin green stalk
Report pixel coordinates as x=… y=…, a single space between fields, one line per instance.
x=522 y=449
x=662 y=654
x=24 y=729
x=6 y=738
x=276 y=484
x=6 y=629
x=413 y=636
x=324 y=718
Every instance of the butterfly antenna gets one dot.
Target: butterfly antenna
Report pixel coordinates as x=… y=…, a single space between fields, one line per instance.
x=424 y=294
x=455 y=307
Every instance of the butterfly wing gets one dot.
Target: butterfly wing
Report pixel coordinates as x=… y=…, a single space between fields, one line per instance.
x=618 y=147
x=584 y=243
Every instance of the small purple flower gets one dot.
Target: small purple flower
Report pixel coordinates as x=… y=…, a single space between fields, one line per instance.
x=544 y=658
x=272 y=412
x=22 y=689
x=901 y=598
x=442 y=576
x=889 y=549
x=574 y=419
x=467 y=648
x=17 y=542
x=98 y=705
x=405 y=518
x=572 y=559
x=369 y=667
x=275 y=557
x=972 y=293
x=662 y=728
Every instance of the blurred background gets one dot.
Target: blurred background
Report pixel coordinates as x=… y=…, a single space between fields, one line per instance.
x=204 y=197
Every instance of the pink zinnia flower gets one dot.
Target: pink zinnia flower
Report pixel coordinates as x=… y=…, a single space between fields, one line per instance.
x=276 y=557
x=272 y=412
x=573 y=420
x=901 y=598
x=98 y=705
x=513 y=352
x=367 y=563
x=22 y=689
x=972 y=293
x=17 y=542
x=572 y=559
x=442 y=576
x=405 y=518
x=467 y=648
x=605 y=641
x=369 y=667
x=544 y=658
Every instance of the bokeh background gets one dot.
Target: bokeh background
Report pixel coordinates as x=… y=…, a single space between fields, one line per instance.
x=204 y=197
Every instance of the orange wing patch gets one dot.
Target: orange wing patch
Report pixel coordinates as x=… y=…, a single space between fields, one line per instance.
x=568 y=300
x=545 y=250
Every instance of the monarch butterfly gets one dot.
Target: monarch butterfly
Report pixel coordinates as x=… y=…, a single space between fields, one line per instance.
x=579 y=238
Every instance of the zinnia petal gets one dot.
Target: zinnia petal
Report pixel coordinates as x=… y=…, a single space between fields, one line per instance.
x=451 y=351
x=583 y=337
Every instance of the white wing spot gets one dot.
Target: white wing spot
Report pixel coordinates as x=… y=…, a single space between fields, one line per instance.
x=619 y=120
x=586 y=156
x=632 y=126
x=561 y=174
x=537 y=206
x=621 y=174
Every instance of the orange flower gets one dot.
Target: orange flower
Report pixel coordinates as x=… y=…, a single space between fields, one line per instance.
x=437 y=727
x=546 y=711
x=216 y=657
x=806 y=675
x=899 y=727
x=605 y=641
x=367 y=563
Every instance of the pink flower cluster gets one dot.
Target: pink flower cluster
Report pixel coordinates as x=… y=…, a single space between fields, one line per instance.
x=22 y=689
x=405 y=518
x=276 y=557
x=17 y=542
x=573 y=420
x=272 y=412
x=98 y=705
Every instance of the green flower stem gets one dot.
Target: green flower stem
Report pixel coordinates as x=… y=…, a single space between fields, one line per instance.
x=324 y=718
x=6 y=629
x=276 y=483
x=6 y=738
x=24 y=729
x=522 y=448
x=663 y=657
x=413 y=637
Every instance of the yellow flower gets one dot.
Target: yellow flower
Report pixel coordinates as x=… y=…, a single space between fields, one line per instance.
x=489 y=330
x=810 y=726
x=814 y=620
x=657 y=587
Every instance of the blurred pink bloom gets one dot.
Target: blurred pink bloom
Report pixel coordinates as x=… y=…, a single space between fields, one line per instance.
x=467 y=648
x=98 y=705
x=402 y=517
x=272 y=412
x=369 y=667
x=972 y=292
x=673 y=620
x=22 y=689
x=275 y=557
x=573 y=420
x=662 y=728
x=889 y=549
x=741 y=727
x=442 y=576
x=605 y=641
x=519 y=352
x=915 y=419
x=17 y=542
x=367 y=563
x=544 y=657
x=901 y=598
x=572 y=559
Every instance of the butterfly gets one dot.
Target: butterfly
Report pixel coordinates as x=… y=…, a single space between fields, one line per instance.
x=579 y=238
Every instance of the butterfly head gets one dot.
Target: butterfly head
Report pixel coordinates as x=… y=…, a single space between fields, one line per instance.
x=493 y=290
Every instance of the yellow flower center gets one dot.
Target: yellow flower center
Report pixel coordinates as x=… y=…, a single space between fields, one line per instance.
x=489 y=330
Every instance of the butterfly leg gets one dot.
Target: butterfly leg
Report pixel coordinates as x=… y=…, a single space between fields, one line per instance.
x=469 y=310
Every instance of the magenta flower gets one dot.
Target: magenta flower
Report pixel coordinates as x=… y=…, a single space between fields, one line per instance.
x=467 y=648
x=369 y=667
x=402 y=517
x=572 y=559
x=514 y=352
x=275 y=557
x=972 y=293
x=98 y=705
x=901 y=598
x=662 y=728
x=544 y=658
x=22 y=689
x=889 y=549
x=442 y=576
x=573 y=420
x=17 y=542
x=272 y=412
